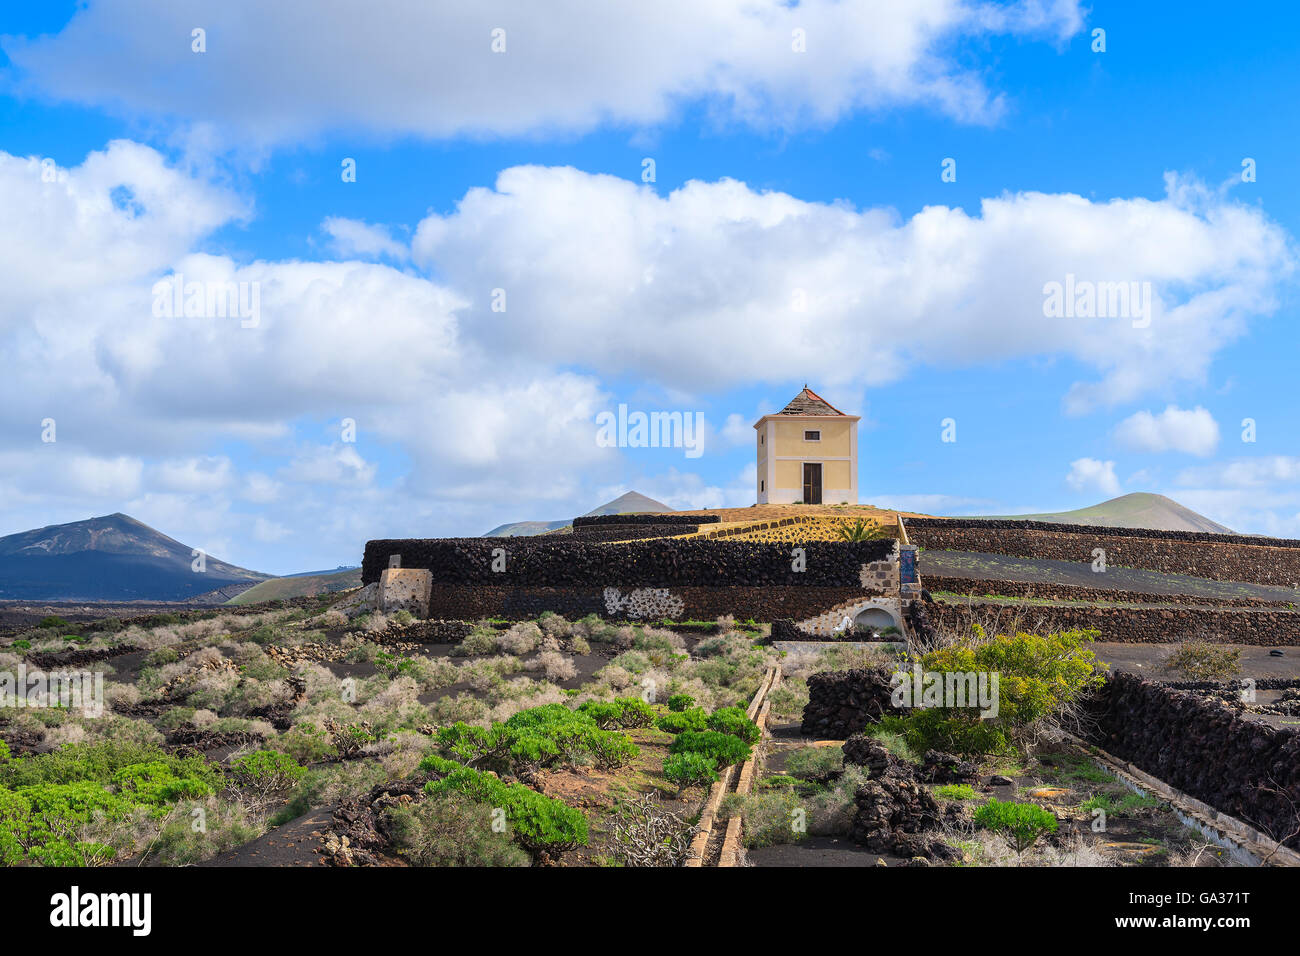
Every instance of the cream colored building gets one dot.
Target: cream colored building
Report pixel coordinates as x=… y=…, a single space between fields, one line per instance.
x=808 y=452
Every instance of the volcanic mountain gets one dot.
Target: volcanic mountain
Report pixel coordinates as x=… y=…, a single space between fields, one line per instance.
x=113 y=558
x=630 y=503
x=1139 y=510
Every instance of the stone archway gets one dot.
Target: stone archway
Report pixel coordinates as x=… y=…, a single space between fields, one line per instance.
x=875 y=618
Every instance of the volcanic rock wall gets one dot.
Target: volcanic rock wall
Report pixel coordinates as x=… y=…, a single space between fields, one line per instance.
x=1203 y=747
x=1219 y=557
x=678 y=579
x=979 y=587
x=842 y=703
x=1264 y=627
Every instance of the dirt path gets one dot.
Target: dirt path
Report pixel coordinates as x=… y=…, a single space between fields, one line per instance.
x=294 y=844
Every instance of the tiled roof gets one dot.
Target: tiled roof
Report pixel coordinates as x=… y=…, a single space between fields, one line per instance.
x=809 y=402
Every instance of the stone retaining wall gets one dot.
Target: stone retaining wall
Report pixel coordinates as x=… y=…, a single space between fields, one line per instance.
x=842 y=703
x=1265 y=628
x=471 y=602
x=666 y=563
x=1216 y=557
x=1074 y=592
x=1204 y=748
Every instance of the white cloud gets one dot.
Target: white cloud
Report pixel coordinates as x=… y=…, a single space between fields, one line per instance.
x=196 y=474
x=1193 y=431
x=937 y=504
x=273 y=72
x=1089 y=474
x=720 y=269
x=353 y=238
x=737 y=430
x=1244 y=473
x=601 y=274
x=338 y=464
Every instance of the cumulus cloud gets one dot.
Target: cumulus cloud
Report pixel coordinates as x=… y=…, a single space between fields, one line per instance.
x=1193 y=431
x=775 y=282
x=1089 y=474
x=351 y=238
x=602 y=277
x=273 y=70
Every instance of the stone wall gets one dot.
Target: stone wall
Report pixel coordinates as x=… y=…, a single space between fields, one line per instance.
x=1217 y=557
x=1265 y=627
x=569 y=562
x=471 y=602
x=1204 y=748
x=1073 y=592
x=586 y=521
x=842 y=703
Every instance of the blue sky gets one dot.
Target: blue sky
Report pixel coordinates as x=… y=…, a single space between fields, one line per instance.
x=779 y=175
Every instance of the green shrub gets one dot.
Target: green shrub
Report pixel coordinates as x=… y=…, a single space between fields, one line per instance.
x=164 y=655
x=450 y=830
x=53 y=621
x=540 y=737
x=723 y=748
x=156 y=783
x=955 y=791
x=732 y=720
x=1040 y=678
x=1020 y=824
x=267 y=769
x=621 y=712
x=688 y=769
x=679 y=702
x=693 y=718
x=539 y=822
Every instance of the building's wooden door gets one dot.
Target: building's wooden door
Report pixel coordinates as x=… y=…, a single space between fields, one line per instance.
x=812 y=483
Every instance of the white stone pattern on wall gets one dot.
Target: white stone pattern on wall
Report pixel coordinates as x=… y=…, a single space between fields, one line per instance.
x=644 y=603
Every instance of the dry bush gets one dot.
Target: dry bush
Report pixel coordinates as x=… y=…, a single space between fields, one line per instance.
x=554 y=665
x=1198 y=659
x=649 y=835
x=521 y=638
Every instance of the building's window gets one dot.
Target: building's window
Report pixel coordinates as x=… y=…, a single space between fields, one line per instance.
x=812 y=436
x=760 y=484
x=760 y=439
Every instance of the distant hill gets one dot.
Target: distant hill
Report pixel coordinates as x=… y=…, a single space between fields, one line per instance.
x=1140 y=510
x=299 y=585
x=112 y=558
x=632 y=502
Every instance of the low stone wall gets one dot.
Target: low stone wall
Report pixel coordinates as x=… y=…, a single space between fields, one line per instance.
x=433 y=632
x=1216 y=557
x=979 y=587
x=1017 y=524
x=1204 y=748
x=471 y=602
x=566 y=562
x=586 y=521
x=1264 y=628
x=842 y=703
x=632 y=532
